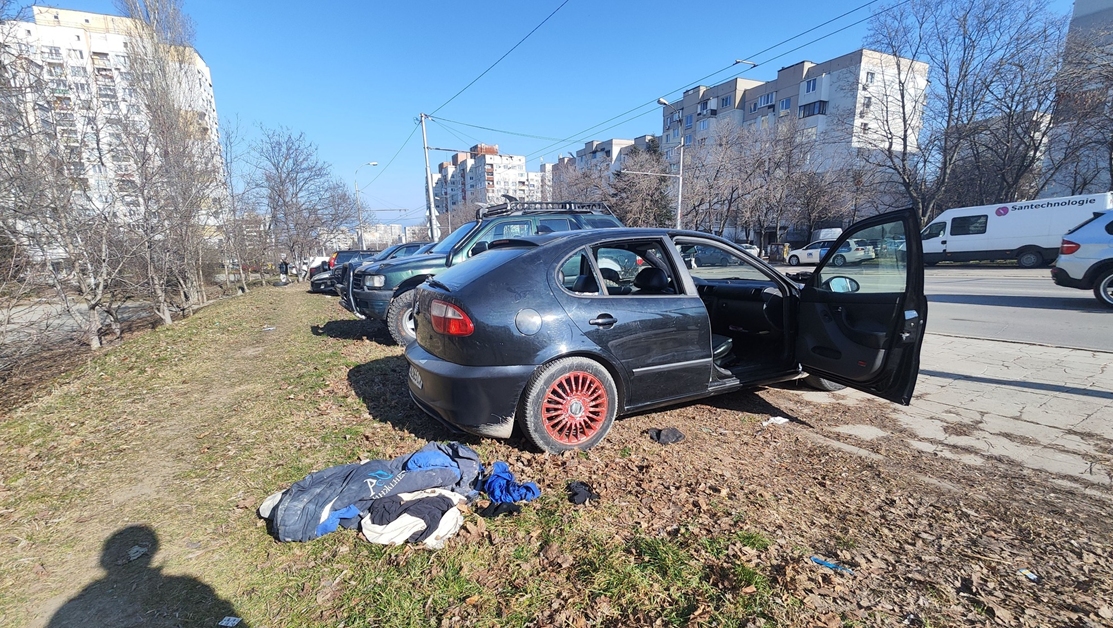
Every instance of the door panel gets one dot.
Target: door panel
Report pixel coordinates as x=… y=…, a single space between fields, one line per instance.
x=862 y=325
x=661 y=341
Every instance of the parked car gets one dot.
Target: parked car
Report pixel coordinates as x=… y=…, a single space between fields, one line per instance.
x=385 y=290
x=326 y=281
x=751 y=249
x=537 y=332
x=849 y=252
x=1086 y=258
x=314 y=265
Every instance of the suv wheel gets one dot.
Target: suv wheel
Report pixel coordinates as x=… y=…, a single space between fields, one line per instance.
x=400 y=318
x=1103 y=288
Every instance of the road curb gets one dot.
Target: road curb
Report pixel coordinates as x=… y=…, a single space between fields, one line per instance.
x=1020 y=342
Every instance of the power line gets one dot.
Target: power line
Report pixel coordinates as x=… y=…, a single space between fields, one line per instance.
x=502 y=57
x=453 y=133
x=485 y=128
x=406 y=141
x=566 y=141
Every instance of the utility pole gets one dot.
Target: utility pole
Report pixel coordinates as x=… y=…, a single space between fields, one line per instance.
x=434 y=228
x=680 y=186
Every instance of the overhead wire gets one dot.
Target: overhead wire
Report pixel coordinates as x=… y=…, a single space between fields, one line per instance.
x=569 y=140
x=396 y=153
x=499 y=60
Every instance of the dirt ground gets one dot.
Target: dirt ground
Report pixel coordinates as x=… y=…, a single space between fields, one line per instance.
x=168 y=442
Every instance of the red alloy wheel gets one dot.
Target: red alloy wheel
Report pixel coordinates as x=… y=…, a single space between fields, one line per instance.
x=574 y=408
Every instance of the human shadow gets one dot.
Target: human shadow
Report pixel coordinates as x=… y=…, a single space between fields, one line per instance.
x=353 y=329
x=133 y=593
x=383 y=387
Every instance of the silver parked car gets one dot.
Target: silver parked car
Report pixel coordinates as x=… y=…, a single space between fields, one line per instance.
x=1086 y=257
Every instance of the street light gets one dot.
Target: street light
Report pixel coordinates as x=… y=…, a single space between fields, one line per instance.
x=359 y=207
x=680 y=176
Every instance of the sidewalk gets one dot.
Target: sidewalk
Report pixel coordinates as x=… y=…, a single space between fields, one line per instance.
x=1046 y=408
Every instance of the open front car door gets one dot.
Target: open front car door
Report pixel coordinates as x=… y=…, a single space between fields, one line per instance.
x=862 y=324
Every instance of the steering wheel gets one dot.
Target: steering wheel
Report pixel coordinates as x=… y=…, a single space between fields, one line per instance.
x=773 y=307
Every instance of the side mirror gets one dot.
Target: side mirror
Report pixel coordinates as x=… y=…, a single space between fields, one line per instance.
x=478 y=248
x=841 y=284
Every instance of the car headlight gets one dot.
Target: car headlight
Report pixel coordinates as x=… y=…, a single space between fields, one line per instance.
x=374 y=281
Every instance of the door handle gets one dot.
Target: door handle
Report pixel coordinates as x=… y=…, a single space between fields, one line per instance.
x=604 y=320
x=942 y=242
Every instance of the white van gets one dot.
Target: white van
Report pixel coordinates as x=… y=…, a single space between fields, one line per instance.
x=1028 y=231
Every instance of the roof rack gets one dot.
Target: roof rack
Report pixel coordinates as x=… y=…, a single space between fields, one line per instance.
x=517 y=208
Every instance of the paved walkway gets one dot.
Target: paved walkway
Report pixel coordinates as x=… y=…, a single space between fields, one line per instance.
x=1046 y=408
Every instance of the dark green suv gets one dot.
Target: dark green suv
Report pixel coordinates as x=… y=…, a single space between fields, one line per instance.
x=384 y=290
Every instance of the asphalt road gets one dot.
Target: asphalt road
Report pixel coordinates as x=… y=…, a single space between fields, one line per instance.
x=1009 y=303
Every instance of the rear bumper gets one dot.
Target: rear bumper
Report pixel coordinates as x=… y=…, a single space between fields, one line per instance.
x=480 y=400
x=1062 y=278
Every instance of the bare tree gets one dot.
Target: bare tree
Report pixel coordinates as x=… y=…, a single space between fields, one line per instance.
x=304 y=202
x=640 y=200
x=925 y=122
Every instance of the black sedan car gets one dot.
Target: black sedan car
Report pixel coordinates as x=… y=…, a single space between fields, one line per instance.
x=540 y=332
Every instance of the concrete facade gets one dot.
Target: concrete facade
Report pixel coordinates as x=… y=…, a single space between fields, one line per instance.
x=76 y=68
x=483 y=175
x=838 y=103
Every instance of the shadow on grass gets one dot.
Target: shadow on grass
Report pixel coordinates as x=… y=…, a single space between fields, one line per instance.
x=352 y=329
x=133 y=592
x=382 y=386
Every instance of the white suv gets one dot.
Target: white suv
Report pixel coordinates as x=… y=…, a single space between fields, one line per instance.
x=1086 y=257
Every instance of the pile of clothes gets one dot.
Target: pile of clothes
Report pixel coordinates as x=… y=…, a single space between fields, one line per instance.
x=412 y=498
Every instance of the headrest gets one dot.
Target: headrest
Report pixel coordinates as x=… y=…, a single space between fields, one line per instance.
x=585 y=283
x=651 y=279
x=610 y=274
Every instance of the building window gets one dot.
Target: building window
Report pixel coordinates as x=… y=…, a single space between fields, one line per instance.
x=704 y=106
x=817 y=108
x=865 y=126
x=753 y=107
x=688 y=121
x=704 y=125
x=725 y=102
x=809 y=86
x=675 y=133
x=767 y=99
x=786 y=104
x=867 y=101
x=687 y=139
x=869 y=77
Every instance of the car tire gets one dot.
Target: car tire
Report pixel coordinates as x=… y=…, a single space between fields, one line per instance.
x=400 y=318
x=569 y=404
x=839 y=260
x=1103 y=288
x=793 y=260
x=1029 y=259
x=825 y=385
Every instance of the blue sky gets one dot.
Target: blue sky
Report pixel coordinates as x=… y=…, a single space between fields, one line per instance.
x=354 y=75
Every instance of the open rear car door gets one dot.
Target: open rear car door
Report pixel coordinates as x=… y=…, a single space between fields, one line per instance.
x=862 y=324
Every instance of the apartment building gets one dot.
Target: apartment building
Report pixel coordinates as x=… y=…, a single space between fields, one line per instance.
x=609 y=154
x=76 y=83
x=483 y=175
x=838 y=103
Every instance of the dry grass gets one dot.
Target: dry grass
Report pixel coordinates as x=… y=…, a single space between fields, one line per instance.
x=186 y=429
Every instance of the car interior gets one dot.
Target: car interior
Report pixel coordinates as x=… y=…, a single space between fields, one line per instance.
x=744 y=304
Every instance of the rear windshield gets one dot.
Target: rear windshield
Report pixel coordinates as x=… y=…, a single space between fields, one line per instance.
x=480 y=265
x=1088 y=221
x=344 y=256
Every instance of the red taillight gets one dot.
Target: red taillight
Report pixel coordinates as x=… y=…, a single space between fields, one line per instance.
x=449 y=319
x=639 y=261
x=332 y=261
x=1069 y=247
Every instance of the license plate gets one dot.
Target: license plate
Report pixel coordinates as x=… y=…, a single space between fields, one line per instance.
x=415 y=377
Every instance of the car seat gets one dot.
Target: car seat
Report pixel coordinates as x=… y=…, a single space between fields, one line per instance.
x=652 y=280
x=586 y=284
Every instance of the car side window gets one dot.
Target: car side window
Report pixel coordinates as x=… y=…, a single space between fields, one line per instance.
x=500 y=230
x=935 y=230
x=883 y=274
x=549 y=225
x=969 y=225
x=814 y=245
x=635 y=268
x=577 y=276
x=711 y=262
